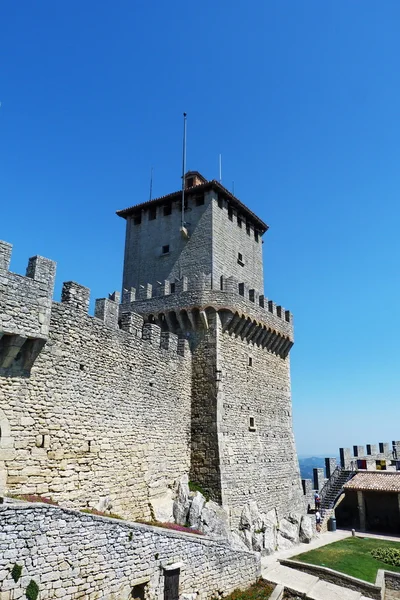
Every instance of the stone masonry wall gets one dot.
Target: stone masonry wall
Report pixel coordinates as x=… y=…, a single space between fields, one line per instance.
x=228 y=240
x=102 y=414
x=257 y=450
x=72 y=555
x=144 y=261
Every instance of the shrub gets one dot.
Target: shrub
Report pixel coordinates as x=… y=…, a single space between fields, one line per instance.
x=32 y=591
x=258 y=591
x=390 y=556
x=16 y=572
x=99 y=513
x=196 y=487
x=34 y=498
x=172 y=526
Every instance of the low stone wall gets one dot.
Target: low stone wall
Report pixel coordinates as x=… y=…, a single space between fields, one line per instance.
x=366 y=589
x=392 y=580
x=71 y=555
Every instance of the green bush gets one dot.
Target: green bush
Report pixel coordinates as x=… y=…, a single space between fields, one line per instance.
x=32 y=591
x=16 y=572
x=196 y=487
x=390 y=556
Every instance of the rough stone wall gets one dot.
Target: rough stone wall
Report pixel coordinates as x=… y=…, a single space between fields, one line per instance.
x=228 y=240
x=103 y=413
x=144 y=262
x=258 y=458
x=205 y=459
x=25 y=305
x=72 y=555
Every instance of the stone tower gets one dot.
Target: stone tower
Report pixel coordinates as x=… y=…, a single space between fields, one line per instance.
x=205 y=283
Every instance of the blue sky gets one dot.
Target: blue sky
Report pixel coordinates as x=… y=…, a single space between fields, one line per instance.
x=301 y=98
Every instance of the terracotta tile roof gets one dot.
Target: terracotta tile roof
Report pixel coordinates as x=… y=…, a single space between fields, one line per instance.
x=375 y=481
x=213 y=184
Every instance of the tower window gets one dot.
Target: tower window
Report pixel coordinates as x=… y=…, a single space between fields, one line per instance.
x=165 y=249
x=190 y=182
x=137 y=219
x=250 y=361
x=252 y=424
x=153 y=213
x=239 y=222
x=167 y=210
x=172 y=288
x=240 y=259
x=256 y=235
x=230 y=214
x=220 y=203
x=200 y=200
x=247 y=229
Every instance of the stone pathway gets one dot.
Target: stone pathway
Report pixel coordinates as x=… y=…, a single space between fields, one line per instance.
x=315 y=588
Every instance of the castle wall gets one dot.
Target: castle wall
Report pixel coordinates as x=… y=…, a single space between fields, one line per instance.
x=144 y=262
x=72 y=555
x=102 y=413
x=228 y=240
x=258 y=458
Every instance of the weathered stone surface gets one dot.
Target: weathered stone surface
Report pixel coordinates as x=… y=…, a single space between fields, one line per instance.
x=306 y=529
x=163 y=507
x=182 y=503
x=270 y=541
x=74 y=555
x=257 y=541
x=283 y=543
x=289 y=530
x=214 y=520
x=196 y=507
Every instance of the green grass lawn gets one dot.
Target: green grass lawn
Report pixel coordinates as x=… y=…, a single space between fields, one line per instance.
x=351 y=556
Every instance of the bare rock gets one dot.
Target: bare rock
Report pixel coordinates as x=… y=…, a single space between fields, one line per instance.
x=195 y=510
x=289 y=530
x=306 y=529
x=269 y=538
x=181 y=505
x=245 y=518
x=283 y=543
x=257 y=541
x=163 y=507
x=214 y=520
x=237 y=541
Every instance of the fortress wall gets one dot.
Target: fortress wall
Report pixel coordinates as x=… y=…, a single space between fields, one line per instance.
x=257 y=462
x=72 y=555
x=144 y=260
x=228 y=240
x=102 y=413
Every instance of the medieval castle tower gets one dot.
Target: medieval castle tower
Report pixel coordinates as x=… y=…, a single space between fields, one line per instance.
x=187 y=373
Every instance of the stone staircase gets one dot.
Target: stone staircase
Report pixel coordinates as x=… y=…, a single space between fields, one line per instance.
x=334 y=487
x=332 y=493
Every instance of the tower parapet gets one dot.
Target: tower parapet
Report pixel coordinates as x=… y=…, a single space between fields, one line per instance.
x=181 y=306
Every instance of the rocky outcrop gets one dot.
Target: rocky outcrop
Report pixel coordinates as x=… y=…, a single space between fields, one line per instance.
x=306 y=529
x=259 y=532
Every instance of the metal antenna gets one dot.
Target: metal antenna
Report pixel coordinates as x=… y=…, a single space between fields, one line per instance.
x=183 y=171
x=220 y=168
x=151 y=183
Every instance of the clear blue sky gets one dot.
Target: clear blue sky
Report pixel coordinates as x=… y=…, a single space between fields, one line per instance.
x=301 y=98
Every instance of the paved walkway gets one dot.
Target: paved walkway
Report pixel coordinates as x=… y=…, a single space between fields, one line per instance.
x=315 y=588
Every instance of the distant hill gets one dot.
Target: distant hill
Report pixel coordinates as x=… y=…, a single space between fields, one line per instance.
x=308 y=463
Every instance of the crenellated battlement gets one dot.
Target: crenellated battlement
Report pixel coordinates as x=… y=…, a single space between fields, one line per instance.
x=381 y=456
x=77 y=297
x=199 y=292
x=25 y=308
